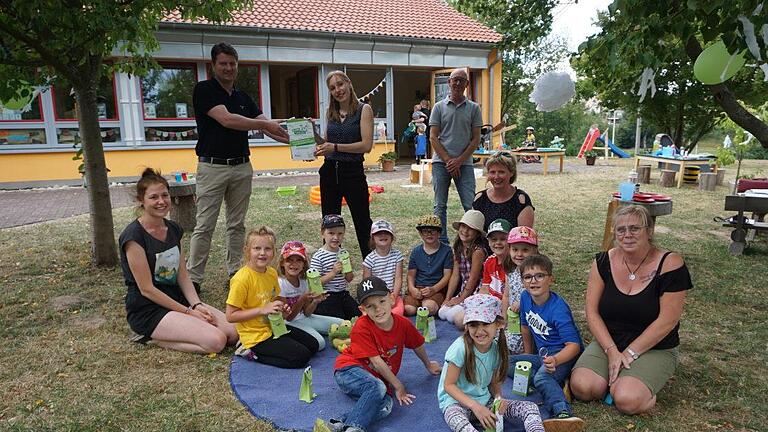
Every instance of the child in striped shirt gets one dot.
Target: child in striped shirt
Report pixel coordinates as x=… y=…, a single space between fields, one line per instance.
x=385 y=262
x=326 y=260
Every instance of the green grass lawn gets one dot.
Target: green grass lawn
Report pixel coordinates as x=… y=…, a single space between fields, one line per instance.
x=67 y=363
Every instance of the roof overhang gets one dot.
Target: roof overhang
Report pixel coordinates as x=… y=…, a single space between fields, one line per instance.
x=182 y=41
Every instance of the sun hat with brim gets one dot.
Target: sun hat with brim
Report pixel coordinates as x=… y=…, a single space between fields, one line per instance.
x=523 y=234
x=499 y=225
x=473 y=219
x=429 y=221
x=382 y=225
x=371 y=286
x=484 y=308
x=294 y=248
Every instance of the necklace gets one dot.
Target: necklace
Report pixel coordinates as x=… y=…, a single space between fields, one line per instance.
x=632 y=275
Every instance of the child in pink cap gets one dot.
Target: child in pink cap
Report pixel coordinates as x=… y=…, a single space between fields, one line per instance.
x=523 y=242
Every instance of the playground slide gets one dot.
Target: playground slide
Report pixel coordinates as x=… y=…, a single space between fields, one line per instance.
x=589 y=141
x=614 y=148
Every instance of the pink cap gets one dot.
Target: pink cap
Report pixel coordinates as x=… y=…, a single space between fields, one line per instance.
x=523 y=234
x=294 y=248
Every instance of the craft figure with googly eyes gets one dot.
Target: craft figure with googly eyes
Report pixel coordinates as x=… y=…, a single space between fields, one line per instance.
x=426 y=324
x=521 y=378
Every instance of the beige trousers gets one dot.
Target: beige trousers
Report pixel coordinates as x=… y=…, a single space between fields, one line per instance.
x=217 y=183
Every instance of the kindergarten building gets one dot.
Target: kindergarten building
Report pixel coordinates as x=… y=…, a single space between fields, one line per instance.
x=396 y=52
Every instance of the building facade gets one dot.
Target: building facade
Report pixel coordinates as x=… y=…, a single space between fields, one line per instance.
x=395 y=58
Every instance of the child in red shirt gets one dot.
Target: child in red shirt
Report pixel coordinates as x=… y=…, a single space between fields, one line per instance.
x=369 y=366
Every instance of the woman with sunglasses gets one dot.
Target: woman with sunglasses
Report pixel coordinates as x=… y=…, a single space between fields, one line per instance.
x=503 y=200
x=635 y=296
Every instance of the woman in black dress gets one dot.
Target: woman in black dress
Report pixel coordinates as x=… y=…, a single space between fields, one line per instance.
x=161 y=302
x=503 y=200
x=348 y=136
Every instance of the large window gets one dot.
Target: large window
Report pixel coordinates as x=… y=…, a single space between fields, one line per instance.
x=167 y=92
x=293 y=91
x=10 y=137
x=30 y=111
x=65 y=105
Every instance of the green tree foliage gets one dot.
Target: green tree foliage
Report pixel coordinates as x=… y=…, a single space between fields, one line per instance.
x=668 y=36
x=71 y=40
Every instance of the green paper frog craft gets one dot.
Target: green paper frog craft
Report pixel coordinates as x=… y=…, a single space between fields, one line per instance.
x=339 y=334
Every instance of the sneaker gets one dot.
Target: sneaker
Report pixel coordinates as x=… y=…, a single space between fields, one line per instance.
x=140 y=339
x=564 y=422
x=336 y=425
x=331 y=425
x=244 y=352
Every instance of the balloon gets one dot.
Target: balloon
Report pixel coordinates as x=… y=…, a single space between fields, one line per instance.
x=714 y=65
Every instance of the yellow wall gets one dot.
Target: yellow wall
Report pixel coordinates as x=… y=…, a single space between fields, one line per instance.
x=24 y=167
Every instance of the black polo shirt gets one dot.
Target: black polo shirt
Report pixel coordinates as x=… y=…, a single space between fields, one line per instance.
x=214 y=139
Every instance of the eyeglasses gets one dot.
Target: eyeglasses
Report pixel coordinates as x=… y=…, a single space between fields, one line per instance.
x=459 y=80
x=632 y=229
x=538 y=276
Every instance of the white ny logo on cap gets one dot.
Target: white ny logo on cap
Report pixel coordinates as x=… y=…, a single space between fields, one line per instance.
x=367 y=285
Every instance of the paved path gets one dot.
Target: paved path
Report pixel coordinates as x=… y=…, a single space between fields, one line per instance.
x=28 y=206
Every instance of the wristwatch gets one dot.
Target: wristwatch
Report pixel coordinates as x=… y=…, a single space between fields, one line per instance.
x=632 y=354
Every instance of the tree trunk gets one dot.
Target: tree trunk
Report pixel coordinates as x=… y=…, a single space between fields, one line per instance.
x=730 y=104
x=103 y=250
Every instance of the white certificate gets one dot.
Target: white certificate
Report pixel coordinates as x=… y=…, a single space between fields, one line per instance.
x=301 y=137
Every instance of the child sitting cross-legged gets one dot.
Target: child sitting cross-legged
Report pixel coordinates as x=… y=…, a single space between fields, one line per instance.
x=293 y=267
x=429 y=268
x=386 y=262
x=367 y=370
x=254 y=293
x=326 y=260
x=475 y=366
x=551 y=340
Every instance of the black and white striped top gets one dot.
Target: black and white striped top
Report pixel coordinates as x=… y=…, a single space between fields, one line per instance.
x=323 y=261
x=383 y=267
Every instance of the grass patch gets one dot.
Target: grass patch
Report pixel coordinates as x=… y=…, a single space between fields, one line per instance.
x=68 y=364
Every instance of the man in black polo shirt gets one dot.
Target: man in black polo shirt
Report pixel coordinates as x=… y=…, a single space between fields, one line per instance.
x=224 y=115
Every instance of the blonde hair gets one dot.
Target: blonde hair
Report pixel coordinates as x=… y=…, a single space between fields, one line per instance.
x=506 y=160
x=334 y=106
x=500 y=374
x=640 y=212
x=262 y=231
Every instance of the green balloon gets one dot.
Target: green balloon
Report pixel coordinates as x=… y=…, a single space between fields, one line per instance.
x=714 y=65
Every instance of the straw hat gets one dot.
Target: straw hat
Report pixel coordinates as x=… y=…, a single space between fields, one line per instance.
x=473 y=219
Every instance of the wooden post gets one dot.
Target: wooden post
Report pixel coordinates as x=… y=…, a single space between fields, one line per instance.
x=644 y=174
x=667 y=178
x=184 y=210
x=707 y=181
x=720 y=176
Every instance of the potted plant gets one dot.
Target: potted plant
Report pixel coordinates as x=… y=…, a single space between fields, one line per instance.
x=590 y=156
x=387 y=161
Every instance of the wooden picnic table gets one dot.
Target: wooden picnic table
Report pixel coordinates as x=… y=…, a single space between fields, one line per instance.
x=743 y=232
x=545 y=155
x=682 y=163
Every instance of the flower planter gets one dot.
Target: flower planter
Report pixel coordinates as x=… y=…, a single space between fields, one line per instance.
x=590 y=160
x=387 y=165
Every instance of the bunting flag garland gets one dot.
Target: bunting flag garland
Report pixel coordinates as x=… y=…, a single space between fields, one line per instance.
x=375 y=90
x=171 y=136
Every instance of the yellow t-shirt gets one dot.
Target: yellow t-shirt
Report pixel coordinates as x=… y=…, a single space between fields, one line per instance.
x=250 y=289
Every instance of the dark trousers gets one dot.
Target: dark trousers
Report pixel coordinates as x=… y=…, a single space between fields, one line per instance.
x=290 y=351
x=347 y=180
x=339 y=304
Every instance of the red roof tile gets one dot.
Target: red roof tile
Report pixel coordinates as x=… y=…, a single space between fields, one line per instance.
x=430 y=19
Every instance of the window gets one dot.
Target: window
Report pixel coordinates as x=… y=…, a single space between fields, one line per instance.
x=293 y=91
x=9 y=137
x=68 y=136
x=65 y=106
x=367 y=81
x=167 y=92
x=18 y=110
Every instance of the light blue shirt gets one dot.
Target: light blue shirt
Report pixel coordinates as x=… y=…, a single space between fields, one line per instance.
x=485 y=365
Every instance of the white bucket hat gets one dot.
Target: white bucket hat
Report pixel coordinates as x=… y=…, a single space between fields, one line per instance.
x=473 y=219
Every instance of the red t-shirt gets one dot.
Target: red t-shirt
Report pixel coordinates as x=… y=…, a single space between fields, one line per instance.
x=494 y=276
x=368 y=340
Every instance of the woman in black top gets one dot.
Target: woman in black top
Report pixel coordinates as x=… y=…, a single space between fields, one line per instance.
x=348 y=136
x=503 y=200
x=161 y=302
x=634 y=301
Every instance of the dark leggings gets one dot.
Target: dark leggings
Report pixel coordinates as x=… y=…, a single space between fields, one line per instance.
x=291 y=351
x=339 y=304
x=347 y=180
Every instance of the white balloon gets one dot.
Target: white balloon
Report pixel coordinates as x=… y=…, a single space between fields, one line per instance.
x=552 y=90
